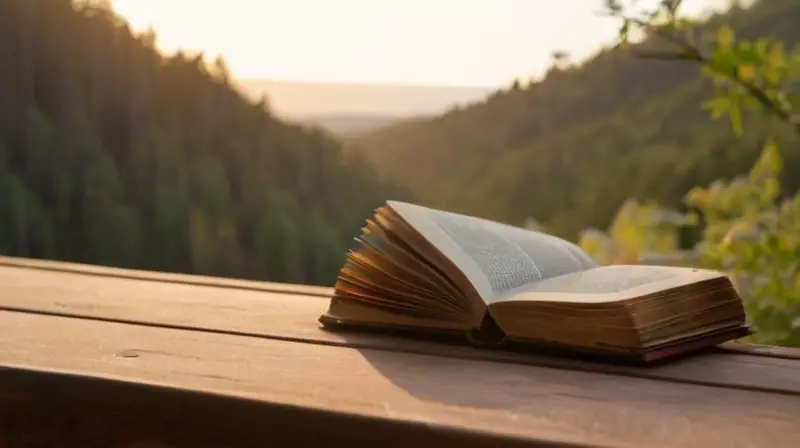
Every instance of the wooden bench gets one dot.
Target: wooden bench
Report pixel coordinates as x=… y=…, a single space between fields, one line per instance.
x=93 y=356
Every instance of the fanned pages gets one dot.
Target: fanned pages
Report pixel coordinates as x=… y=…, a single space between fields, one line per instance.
x=429 y=271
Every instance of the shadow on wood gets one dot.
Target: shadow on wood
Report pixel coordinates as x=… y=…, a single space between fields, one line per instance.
x=55 y=410
x=120 y=359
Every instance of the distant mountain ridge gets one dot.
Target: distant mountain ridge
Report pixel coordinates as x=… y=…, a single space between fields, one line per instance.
x=114 y=153
x=570 y=149
x=350 y=125
x=313 y=100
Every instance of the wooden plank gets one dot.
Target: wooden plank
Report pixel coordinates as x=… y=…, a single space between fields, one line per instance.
x=68 y=411
x=200 y=280
x=293 y=318
x=286 y=288
x=765 y=350
x=454 y=394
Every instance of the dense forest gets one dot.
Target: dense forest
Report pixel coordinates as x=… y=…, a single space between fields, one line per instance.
x=569 y=149
x=111 y=153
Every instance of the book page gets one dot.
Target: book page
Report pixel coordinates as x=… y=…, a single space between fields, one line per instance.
x=496 y=258
x=609 y=284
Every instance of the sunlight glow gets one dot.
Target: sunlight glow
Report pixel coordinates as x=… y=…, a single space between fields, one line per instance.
x=448 y=42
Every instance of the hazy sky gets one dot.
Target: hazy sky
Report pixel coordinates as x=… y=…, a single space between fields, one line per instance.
x=451 y=42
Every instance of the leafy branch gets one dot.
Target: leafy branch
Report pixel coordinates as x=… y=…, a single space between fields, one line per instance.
x=750 y=229
x=759 y=75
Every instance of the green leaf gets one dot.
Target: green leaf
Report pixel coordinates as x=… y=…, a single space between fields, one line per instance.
x=613 y=6
x=762 y=46
x=723 y=64
x=746 y=72
x=776 y=57
x=771 y=191
x=793 y=65
x=717 y=106
x=725 y=37
x=769 y=163
x=624 y=31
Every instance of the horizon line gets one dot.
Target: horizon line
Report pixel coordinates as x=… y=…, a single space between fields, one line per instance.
x=375 y=83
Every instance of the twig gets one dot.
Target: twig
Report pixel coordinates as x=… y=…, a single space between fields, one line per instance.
x=692 y=53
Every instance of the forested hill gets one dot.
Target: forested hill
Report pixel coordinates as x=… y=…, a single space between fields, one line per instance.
x=111 y=153
x=570 y=149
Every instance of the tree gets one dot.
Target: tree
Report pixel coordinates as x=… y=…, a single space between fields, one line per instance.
x=750 y=229
x=557 y=149
x=758 y=75
x=560 y=59
x=112 y=153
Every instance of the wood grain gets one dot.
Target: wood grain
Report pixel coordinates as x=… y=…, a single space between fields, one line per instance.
x=459 y=395
x=200 y=280
x=288 y=317
x=764 y=350
x=40 y=410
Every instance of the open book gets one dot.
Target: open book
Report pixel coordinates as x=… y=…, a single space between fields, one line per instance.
x=416 y=268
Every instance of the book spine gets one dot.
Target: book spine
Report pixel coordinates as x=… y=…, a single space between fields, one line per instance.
x=488 y=335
